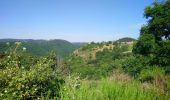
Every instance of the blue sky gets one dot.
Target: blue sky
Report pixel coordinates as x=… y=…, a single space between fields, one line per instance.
x=72 y=20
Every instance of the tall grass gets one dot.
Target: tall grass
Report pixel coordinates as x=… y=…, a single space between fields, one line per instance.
x=106 y=89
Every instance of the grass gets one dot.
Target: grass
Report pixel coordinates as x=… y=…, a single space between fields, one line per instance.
x=107 y=89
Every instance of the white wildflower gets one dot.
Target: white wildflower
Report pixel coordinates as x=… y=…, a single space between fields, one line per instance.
x=77 y=78
x=1 y=94
x=18 y=43
x=24 y=48
x=23 y=86
x=76 y=85
x=14 y=93
x=5 y=91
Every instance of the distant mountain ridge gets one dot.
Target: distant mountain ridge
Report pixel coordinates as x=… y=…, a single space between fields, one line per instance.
x=41 y=47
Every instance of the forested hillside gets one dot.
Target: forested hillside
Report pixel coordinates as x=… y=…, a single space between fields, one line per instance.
x=40 y=47
x=96 y=60
x=126 y=39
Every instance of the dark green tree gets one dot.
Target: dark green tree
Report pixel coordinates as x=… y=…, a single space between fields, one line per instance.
x=158 y=16
x=154 y=37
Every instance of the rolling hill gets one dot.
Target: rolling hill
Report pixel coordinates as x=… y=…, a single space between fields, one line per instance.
x=89 y=50
x=41 y=47
x=126 y=39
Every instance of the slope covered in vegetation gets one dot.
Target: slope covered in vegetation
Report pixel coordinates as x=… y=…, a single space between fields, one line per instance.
x=97 y=60
x=41 y=47
x=126 y=39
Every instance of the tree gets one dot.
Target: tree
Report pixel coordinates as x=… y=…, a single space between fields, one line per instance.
x=159 y=20
x=145 y=45
x=155 y=35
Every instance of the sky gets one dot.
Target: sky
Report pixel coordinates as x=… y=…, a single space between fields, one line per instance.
x=72 y=20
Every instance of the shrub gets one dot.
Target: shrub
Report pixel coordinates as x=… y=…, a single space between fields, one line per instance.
x=145 y=45
x=133 y=65
x=26 y=77
x=148 y=75
x=162 y=54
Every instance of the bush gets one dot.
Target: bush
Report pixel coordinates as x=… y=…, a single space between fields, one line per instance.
x=148 y=75
x=145 y=45
x=162 y=56
x=133 y=65
x=25 y=77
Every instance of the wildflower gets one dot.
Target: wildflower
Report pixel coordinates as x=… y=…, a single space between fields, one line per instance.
x=1 y=94
x=5 y=91
x=77 y=78
x=77 y=85
x=9 y=56
x=18 y=43
x=14 y=93
x=23 y=86
x=24 y=48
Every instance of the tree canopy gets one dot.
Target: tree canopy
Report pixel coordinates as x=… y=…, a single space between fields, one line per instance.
x=154 y=40
x=158 y=15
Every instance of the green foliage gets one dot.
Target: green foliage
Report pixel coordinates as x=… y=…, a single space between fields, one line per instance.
x=76 y=65
x=101 y=66
x=106 y=89
x=162 y=54
x=119 y=50
x=89 y=46
x=154 y=40
x=159 y=18
x=133 y=65
x=126 y=39
x=148 y=75
x=146 y=45
x=168 y=86
x=26 y=77
x=41 y=47
x=104 y=55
